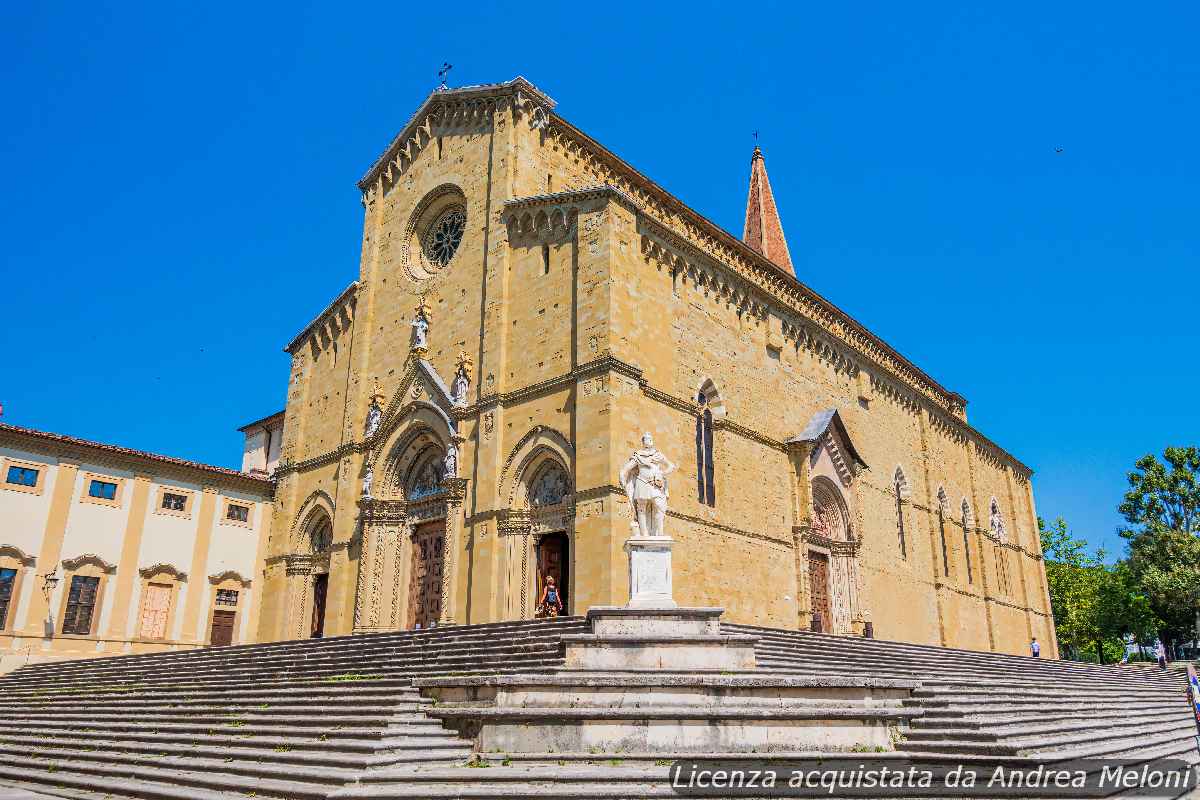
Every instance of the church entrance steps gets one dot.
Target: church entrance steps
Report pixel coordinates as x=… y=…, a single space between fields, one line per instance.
x=366 y=716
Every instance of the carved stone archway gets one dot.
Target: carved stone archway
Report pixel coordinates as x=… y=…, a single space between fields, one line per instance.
x=828 y=578
x=537 y=482
x=411 y=490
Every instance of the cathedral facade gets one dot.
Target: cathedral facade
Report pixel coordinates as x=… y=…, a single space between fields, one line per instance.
x=527 y=307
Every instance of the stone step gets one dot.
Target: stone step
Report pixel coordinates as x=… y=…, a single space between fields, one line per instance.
x=128 y=780
x=360 y=662
x=310 y=650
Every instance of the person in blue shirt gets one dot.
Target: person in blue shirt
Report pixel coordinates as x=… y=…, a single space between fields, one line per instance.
x=551 y=604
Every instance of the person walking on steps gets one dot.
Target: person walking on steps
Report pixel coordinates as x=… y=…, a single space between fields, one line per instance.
x=1035 y=649
x=551 y=602
x=1160 y=653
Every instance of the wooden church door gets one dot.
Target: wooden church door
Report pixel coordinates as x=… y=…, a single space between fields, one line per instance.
x=425 y=583
x=818 y=587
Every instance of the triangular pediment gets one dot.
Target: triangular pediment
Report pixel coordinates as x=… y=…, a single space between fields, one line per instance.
x=827 y=434
x=421 y=386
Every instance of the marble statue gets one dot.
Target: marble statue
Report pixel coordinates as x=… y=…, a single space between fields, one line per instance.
x=644 y=477
x=458 y=390
x=420 y=326
x=366 y=482
x=450 y=464
x=374 y=417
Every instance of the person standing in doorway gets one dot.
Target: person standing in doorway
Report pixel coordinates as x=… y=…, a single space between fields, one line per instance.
x=1035 y=649
x=1160 y=653
x=551 y=602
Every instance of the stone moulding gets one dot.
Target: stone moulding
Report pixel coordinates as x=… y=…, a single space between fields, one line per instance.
x=14 y=552
x=89 y=558
x=229 y=575
x=160 y=568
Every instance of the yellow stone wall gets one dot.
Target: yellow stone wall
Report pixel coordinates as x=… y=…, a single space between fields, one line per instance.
x=591 y=332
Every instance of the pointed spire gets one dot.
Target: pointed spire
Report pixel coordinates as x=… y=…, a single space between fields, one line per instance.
x=764 y=231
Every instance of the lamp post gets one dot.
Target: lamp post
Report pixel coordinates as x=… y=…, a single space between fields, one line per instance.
x=49 y=581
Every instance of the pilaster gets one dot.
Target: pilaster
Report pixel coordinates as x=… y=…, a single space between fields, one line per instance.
x=38 y=621
x=131 y=545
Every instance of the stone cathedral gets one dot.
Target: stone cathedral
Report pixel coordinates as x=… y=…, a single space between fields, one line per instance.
x=527 y=306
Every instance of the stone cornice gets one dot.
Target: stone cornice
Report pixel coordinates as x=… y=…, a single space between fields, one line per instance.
x=348 y=295
x=521 y=92
x=570 y=197
x=605 y=364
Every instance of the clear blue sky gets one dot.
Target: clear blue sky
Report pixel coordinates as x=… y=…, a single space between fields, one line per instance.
x=179 y=193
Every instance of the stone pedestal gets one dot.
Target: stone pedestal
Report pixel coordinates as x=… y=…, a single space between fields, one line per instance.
x=650 y=571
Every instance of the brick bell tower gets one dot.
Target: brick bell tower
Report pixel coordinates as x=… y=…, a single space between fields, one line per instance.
x=764 y=231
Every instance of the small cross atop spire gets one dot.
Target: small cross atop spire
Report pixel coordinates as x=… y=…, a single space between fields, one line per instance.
x=442 y=73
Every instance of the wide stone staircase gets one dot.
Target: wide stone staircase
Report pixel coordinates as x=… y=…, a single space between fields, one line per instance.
x=284 y=720
x=341 y=718
x=987 y=704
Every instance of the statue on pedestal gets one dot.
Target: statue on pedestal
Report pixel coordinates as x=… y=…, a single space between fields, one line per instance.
x=420 y=326
x=374 y=413
x=644 y=477
x=450 y=464
x=368 y=478
x=462 y=380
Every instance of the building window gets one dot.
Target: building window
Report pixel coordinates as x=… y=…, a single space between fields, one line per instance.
x=227 y=597
x=320 y=537
x=8 y=578
x=706 y=488
x=445 y=235
x=174 y=502
x=81 y=604
x=22 y=476
x=996 y=525
x=941 y=520
x=898 y=488
x=102 y=490
x=966 y=524
x=545 y=259
x=236 y=512
x=550 y=486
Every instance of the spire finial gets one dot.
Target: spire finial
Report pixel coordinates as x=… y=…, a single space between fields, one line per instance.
x=442 y=73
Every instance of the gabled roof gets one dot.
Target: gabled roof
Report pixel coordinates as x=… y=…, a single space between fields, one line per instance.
x=820 y=423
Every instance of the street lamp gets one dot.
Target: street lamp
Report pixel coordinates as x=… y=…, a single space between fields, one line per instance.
x=49 y=581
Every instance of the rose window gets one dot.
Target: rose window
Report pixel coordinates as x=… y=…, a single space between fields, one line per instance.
x=444 y=236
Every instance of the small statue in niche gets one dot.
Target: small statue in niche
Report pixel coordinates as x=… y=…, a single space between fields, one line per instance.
x=420 y=326
x=462 y=380
x=374 y=413
x=450 y=464
x=374 y=416
x=368 y=478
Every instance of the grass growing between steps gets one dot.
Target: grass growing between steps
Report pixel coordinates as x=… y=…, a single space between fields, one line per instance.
x=346 y=677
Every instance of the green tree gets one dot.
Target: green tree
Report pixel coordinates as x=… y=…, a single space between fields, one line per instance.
x=1094 y=605
x=1162 y=507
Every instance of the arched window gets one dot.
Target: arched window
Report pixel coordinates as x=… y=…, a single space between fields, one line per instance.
x=706 y=489
x=899 y=487
x=941 y=518
x=425 y=478
x=996 y=525
x=550 y=485
x=829 y=511
x=966 y=525
x=320 y=534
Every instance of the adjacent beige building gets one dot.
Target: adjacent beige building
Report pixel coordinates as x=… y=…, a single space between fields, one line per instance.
x=526 y=305
x=106 y=550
